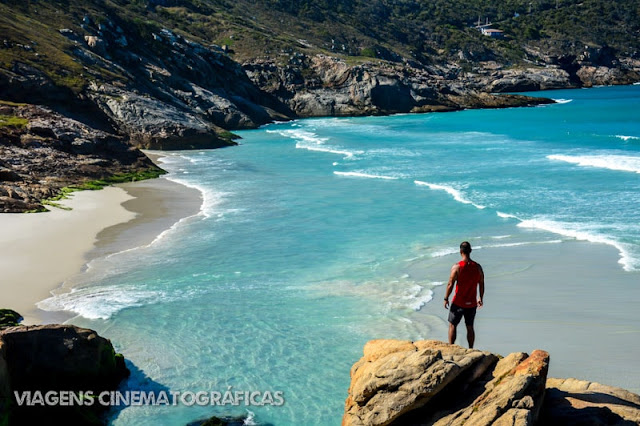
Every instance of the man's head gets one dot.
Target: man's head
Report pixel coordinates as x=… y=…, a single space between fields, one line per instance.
x=465 y=248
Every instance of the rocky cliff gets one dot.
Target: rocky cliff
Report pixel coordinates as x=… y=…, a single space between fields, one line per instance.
x=55 y=358
x=434 y=383
x=183 y=74
x=42 y=152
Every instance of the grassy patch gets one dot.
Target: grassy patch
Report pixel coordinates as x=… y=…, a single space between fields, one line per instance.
x=13 y=121
x=94 y=185
x=9 y=103
x=228 y=136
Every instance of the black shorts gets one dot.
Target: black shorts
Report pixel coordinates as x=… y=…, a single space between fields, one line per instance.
x=456 y=313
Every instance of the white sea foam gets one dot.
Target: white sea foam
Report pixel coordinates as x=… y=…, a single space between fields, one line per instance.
x=456 y=194
x=312 y=142
x=100 y=302
x=416 y=297
x=250 y=420
x=506 y=215
x=347 y=154
x=563 y=101
x=365 y=175
x=574 y=231
x=625 y=163
x=500 y=237
x=444 y=252
x=521 y=243
x=627 y=138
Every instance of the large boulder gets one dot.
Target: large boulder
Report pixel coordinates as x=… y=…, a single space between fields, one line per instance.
x=56 y=358
x=395 y=377
x=513 y=397
x=434 y=383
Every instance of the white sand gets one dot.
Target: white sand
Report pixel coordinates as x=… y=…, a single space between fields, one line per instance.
x=39 y=251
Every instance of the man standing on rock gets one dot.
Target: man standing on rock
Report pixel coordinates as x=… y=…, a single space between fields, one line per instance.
x=469 y=276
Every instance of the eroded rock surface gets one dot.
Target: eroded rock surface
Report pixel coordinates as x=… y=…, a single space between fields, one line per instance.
x=399 y=382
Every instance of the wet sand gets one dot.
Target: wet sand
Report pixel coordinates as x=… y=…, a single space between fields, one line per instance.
x=41 y=253
x=572 y=299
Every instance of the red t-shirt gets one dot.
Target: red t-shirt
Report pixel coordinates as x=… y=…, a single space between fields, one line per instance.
x=466 y=295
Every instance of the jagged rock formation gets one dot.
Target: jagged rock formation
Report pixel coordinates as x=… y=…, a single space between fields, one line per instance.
x=55 y=358
x=47 y=151
x=434 y=383
x=151 y=73
x=326 y=86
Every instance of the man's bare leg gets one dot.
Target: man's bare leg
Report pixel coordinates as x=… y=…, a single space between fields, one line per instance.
x=452 y=333
x=471 y=336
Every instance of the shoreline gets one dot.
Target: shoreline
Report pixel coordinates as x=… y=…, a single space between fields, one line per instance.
x=100 y=223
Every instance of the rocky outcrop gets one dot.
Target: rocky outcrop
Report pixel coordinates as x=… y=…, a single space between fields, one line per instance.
x=428 y=382
x=326 y=86
x=170 y=92
x=394 y=378
x=46 y=151
x=56 y=358
x=526 y=79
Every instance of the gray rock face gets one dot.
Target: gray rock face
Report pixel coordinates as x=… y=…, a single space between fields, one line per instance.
x=529 y=79
x=52 y=151
x=180 y=99
x=325 y=86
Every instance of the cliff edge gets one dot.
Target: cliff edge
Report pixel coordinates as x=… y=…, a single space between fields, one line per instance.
x=434 y=383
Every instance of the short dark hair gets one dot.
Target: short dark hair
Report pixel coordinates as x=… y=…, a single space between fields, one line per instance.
x=465 y=247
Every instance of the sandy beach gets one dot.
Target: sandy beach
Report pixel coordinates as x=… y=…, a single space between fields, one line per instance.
x=571 y=299
x=40 y=252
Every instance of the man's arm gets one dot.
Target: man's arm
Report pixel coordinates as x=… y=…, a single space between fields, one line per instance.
x=481 y=285
x=452 y=279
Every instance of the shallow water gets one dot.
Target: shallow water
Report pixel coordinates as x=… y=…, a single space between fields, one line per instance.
x=308 y=236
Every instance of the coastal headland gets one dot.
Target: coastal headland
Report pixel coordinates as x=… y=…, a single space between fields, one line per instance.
x=429 y=382
x=87 y=87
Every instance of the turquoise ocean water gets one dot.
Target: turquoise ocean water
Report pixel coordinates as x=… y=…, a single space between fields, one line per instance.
x=302 y=250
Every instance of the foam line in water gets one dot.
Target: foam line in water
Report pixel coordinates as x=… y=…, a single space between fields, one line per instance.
x=563 y=101
x=450 y=251
x=626 y=163
x=347 y=154
x=301 y=135
x=627 y=138
x=101 y=302
x=506 y=215
x=311 y=142
x=569 y=230
x=365 y=175
x=456 y=194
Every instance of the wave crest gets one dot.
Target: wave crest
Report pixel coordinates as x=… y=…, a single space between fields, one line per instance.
x=626 y=163
x=455 y=193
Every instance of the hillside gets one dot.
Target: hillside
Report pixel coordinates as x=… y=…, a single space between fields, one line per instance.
x=180 y=74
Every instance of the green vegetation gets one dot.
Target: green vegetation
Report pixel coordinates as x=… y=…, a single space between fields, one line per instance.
x=150 y=173
x=9 y=318
x=12 y=121
x=94 y=185
x=9 y=103
x=227 y=136
x=425 y=32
